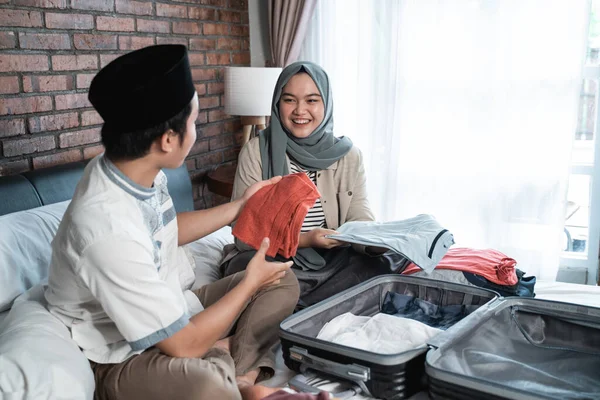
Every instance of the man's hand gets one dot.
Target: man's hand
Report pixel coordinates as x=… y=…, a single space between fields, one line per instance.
x=261 y=273
x=251 y=190
x=316 y=239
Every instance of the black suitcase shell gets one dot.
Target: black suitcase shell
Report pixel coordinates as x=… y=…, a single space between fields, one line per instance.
x=384 y=376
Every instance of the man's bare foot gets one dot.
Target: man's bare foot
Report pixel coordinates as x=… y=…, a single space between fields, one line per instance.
x=255 y=392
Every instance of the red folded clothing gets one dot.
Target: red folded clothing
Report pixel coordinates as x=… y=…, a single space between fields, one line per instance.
x=493 y=265
x=277 y=212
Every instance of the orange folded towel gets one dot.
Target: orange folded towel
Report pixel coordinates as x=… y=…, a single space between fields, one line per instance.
x=493 y=265
x=277 y=212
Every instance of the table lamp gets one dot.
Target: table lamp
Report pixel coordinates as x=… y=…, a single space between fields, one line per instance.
x=248 y=94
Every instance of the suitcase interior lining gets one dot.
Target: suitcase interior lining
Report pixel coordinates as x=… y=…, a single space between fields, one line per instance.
x=369 y=301
x=528 y=349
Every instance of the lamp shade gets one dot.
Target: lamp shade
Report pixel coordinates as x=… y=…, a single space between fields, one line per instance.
x=249 y=90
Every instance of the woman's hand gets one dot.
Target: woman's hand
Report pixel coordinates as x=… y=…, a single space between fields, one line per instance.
x=251 y=190
x=261 y=273
x=316 y=238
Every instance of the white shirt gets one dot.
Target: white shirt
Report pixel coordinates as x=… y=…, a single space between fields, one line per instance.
x=118 y=279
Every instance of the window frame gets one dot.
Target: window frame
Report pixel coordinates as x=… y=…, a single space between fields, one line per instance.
x=589 y=260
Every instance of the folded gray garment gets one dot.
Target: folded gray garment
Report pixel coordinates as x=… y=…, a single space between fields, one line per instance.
x=420 y=239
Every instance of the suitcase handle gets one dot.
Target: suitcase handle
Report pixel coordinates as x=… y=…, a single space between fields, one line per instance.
x=353 y=372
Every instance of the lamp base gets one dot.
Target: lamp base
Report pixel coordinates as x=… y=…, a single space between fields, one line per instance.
x=248 y=123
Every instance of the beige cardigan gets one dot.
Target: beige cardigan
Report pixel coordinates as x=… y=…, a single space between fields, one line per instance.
x=342 y=185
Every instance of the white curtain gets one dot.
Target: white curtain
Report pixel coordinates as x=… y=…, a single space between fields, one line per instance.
x=464 y=109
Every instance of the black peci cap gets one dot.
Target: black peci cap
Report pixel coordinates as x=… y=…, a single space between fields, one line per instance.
x=143 y=88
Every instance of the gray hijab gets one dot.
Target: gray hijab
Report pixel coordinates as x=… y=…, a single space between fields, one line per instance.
x=315 y=152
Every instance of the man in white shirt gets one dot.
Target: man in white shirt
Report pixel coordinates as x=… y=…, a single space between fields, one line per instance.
x=119 y=278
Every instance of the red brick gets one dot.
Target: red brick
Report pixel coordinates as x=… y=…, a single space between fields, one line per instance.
x=216 y=88
x=216 y=3
x=228 y=44
x=14 y=167
x=107 y=58
x=43 y=41
x=92 y=151
x=212 y=130
x=28 y=146
x=231 y=154
x=60 y=158
x=217 y=115
x=90 y=118
x=24 y=105
x=114 y=24
x=134 y=42
x=215 y=29
x=8 y=40
x=9 y=84
x=84 y=80
x=208 y=102
x=54 y=122
x=240 y=30
x=238 y=4
x=204 y=74
x=190 y=164
x=172 y=40
x=41 y=3
x=220 y=142
x=200 y=89
x=186 y=28
x=241 y=58
x=148 y=25
x=199 y=147
x=95 y=42
x=196 y=59
x=134 y=7
x=77 y=138
x=246 y=44
x=22 y=63
x=232 y=126
x=70 y=101
x=97 y=5
x=217 y=59
x=245 y=18
x=201 y=13
x=74 y=63
x=69 y=21
x=202 y=118
x=9 y=17
x=12 y=127
x=209 y=159
x=47 y=83
x=168 y=10
x=202 y=44
x=230 y=16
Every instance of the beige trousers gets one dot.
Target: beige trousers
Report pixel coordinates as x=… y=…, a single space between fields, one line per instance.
x=154 y=375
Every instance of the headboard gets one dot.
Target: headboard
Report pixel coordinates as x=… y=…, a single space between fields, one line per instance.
x=55 y=184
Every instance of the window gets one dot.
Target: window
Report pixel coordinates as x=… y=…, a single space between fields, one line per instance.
x=582 y=216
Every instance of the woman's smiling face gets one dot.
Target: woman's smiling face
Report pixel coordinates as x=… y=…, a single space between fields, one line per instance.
x=301 y=107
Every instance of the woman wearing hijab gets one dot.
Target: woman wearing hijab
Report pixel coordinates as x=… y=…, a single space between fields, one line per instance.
x=300 y=139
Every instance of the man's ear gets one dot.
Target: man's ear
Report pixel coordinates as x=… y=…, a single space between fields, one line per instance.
x=168 y=141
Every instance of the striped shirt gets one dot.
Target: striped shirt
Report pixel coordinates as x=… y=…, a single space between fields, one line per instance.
x=315 y=218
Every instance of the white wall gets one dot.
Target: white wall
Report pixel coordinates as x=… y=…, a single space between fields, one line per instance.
x=260 y=50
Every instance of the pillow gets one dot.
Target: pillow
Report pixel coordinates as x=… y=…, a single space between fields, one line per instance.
x=25 y=251
x=207 y=253
x=38 y=357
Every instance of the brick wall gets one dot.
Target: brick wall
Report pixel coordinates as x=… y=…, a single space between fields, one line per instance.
x=51 y=49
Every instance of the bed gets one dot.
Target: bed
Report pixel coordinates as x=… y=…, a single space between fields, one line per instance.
x=31 y=205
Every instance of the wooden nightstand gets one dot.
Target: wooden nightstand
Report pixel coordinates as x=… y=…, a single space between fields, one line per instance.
x=220 y=181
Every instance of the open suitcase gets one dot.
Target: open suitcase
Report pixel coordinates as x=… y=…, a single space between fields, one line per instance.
x=399 y=376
